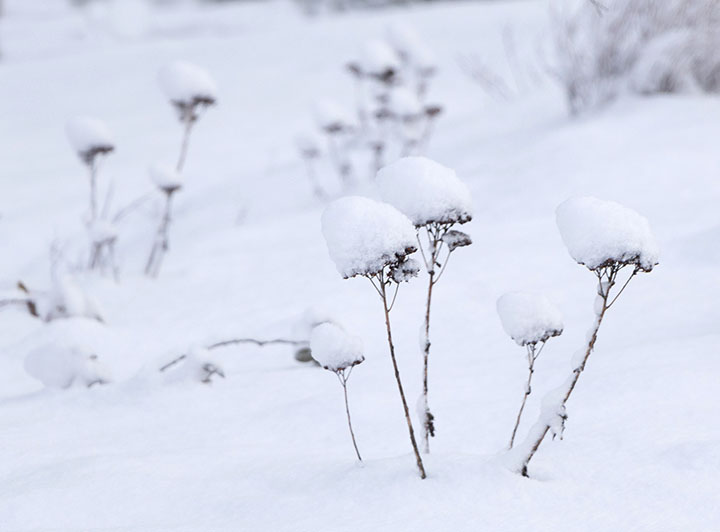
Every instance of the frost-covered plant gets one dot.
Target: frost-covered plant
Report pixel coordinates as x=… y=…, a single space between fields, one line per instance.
x=197 y=365
x=91 y=139
x=639 y=46
x=435 y=201
x=608 y=239
x=339 y=352
x=168 y=181
x=191 y=90
x=530 y=320
x=393 y=117
x=63 y=367
x=370 y=239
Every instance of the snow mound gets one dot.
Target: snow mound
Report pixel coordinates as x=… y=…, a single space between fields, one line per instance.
x=363 y=235
x=529 y=318
x=598 y=233
x=187 y=84
x=425 y=191
x=379 y=59
x=63 y=367
x=334 y=348
x=89 y=136
x=165 y=177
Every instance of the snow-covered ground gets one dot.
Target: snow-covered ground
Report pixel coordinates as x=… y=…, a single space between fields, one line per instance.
x=266 y=448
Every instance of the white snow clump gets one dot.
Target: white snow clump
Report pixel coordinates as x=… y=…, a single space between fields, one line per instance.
x=334 y=348
x=187 y=84
x=425 y=191
x=165 y=177
x=89 y=136
x=62 y=367
x=363 y=235
x=598 y=233
x=529 y=318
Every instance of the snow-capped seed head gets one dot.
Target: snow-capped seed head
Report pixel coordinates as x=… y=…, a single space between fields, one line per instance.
x=309 y=145
x=332 y=117
x=364 y=236
x=456 y=239
x=186 y=84
x=103 y=232
x=166 y=178
x=601 y=233
x=529 y=318
x=405 y=270
x=425 y=191
x=62 y=367
x=334 y=348
x=408 y=44
x=89 y=137
x=380 y=61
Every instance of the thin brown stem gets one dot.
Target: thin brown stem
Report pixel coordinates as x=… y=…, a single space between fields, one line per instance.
x=343 y=381
x=531 y=363
x=188 y=124
x=418 y=459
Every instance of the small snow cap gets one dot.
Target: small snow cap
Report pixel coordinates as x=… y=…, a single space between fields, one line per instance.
x=599 y=233
x=334 y=348
x=332 y=117
x=405 y=103
x=89 y=136
x=380 y=60
x=529 y=318
x=166 y=178
x=425 y=191
x=363 y=235
x=62 y=367
x=406 y=41
x=187 y=84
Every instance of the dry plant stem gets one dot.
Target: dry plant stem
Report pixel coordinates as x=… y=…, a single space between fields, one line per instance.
x=435 y=232
x=607 y=276
x=188 y=124
x=343 y=378
x=383 y=295
x=236 y=341
x=532 y=354
x=162 y=238
x=92 y=168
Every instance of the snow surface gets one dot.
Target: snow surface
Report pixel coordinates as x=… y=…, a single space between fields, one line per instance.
x=529 y=318
x=405 y=39
x=425 y=191
x=363 y=235
x=87 y=134
x=184 y=82
x=405 y=103
x=597 y=232
x=257 y=451
x=334 y=348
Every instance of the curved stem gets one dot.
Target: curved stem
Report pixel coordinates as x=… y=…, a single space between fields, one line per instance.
x=347 y=411
x=531 y=363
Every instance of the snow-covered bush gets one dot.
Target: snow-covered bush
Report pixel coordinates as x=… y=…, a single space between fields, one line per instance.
x=191 y=90
x=640 y=46
x=65 y=299
x=91 y=139
x=339 y=352
x=434 y=200
x=373 y=240
x=529 y=319
x=607 y=238
x=63 y=367
x=392 y=118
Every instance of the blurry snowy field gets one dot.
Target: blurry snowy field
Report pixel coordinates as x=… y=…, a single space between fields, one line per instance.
x=266 y=448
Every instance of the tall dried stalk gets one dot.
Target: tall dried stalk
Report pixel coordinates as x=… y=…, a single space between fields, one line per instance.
x=380 y=282
x=343 y=375
x=532 y=353
x=555 y=421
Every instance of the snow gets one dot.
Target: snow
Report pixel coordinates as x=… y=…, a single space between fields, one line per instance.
x=456 y=239
x=363 y=235
x=379 y=59
x=597 y=232
x=165 y=177
x=334 y=348
x=186 y=83
x=409 y=45
x=331 y=116
x=87 y=134
x=425 y=191
x=61 y=367
x=405 y=103
x=266 y=448
x=529 y=318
